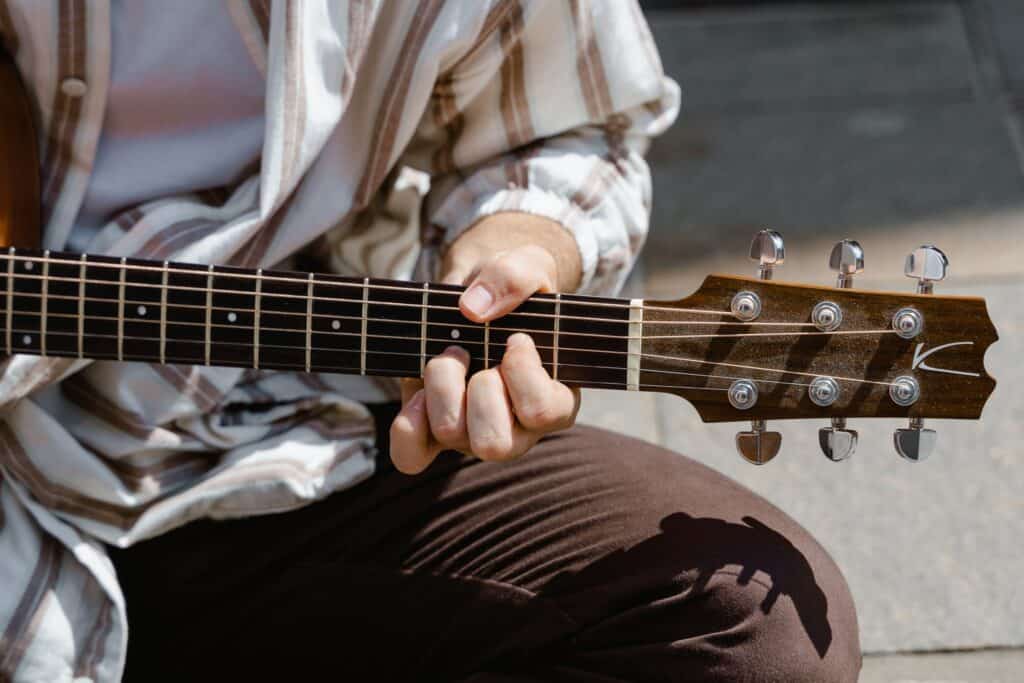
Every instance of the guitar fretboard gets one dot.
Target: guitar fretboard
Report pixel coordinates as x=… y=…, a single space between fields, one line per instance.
x=103 y=308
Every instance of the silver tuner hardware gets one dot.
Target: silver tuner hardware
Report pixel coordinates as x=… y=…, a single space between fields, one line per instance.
x=927 y=264
x=743 y=394
x=915 y=443
x=847 y=259
x=837 y=442
x=823 y=391
x=768 y=251
x=758 y=446
x=827 y=316
x=908 y=322
x=746 y=306
x=904 y=391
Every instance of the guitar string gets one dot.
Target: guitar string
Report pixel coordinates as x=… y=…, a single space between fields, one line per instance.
x=468 y=325
x=304 y=280
x=403 y=354
x=450 y=342
x=300 y=367
x=205 y=290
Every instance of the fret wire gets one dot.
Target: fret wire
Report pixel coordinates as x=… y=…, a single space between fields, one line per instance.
x=163 y=312
x=309 y=322
x=581 y=300
x=81 y=305
x=10 y=298
x=362 y=342
x=423 y=328
x=209 y=313
x=635 y=348
x=784 y=333
x=487 y=344
x=120 y=311
x=472 y=358
x=43 y=289
x=554 y=353
x=256 y=321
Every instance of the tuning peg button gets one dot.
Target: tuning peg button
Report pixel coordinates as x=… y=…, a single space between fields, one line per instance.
x=768 y=250
x=758 y=446
x=847 y=259
x=837 y=442
x=928 y=265
x=915 y=443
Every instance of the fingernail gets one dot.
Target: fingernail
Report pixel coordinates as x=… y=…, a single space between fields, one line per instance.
x=416 y=402
x=478 y=300
x=517 y=339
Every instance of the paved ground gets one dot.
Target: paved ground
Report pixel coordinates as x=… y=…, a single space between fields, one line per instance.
x=893 y=123
x=989 y=666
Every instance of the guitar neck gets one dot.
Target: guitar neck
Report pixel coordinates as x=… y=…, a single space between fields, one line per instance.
x=103 y=308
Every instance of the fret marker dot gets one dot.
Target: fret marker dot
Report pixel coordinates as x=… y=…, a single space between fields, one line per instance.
x=456 y=334
x=141 y=310
x=335 y=324
x=29 y=265
x=232 y=317
x=26 y=340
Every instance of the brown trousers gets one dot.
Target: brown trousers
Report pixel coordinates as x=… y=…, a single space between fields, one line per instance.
x=593 y=558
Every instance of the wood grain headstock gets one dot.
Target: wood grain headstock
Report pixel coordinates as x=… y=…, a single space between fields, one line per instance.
x=696 y=348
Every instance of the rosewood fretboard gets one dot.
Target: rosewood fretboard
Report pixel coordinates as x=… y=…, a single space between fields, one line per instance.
x=103 y=308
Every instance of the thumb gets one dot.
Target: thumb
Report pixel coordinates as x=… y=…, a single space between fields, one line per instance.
x=506 y=281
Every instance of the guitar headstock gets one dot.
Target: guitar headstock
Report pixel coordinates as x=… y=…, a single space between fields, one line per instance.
x=756 y=349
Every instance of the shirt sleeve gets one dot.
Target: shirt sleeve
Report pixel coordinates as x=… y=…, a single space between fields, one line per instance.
x=550 y=112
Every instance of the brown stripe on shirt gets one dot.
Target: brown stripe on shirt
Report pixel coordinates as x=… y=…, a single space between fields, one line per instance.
x=174 y=468
x=359 y=26
x=80 y=392
x=294 y=92
x=166 y=241
x=515 y=109
x=190 y=383
x=95 y=646
x=58 y=496
x=391 y=112
x=25 y=619
x=592 y=77
x=66 y=109
x=448 y=118
x=261 y=13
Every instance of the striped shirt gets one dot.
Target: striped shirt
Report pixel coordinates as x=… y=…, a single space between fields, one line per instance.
x=391 y=127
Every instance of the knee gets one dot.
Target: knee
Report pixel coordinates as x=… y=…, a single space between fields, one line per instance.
x=787 y=617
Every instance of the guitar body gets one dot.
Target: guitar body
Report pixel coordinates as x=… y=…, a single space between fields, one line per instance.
x=20 y=212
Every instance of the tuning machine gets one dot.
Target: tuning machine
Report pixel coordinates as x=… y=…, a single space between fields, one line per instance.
x=847 y=259
x=759 y=445
x=927 y=264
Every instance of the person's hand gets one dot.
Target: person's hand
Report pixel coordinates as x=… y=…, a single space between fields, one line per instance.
x=501 y=412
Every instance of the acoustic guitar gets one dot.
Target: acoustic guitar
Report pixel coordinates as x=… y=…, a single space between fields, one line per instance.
x=739 y=349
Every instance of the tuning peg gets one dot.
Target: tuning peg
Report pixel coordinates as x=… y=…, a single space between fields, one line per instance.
x=758 y=446
x=768 y=250
x=837 y=442
x=927 y=264
x=847 y=259
x=915 y=443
